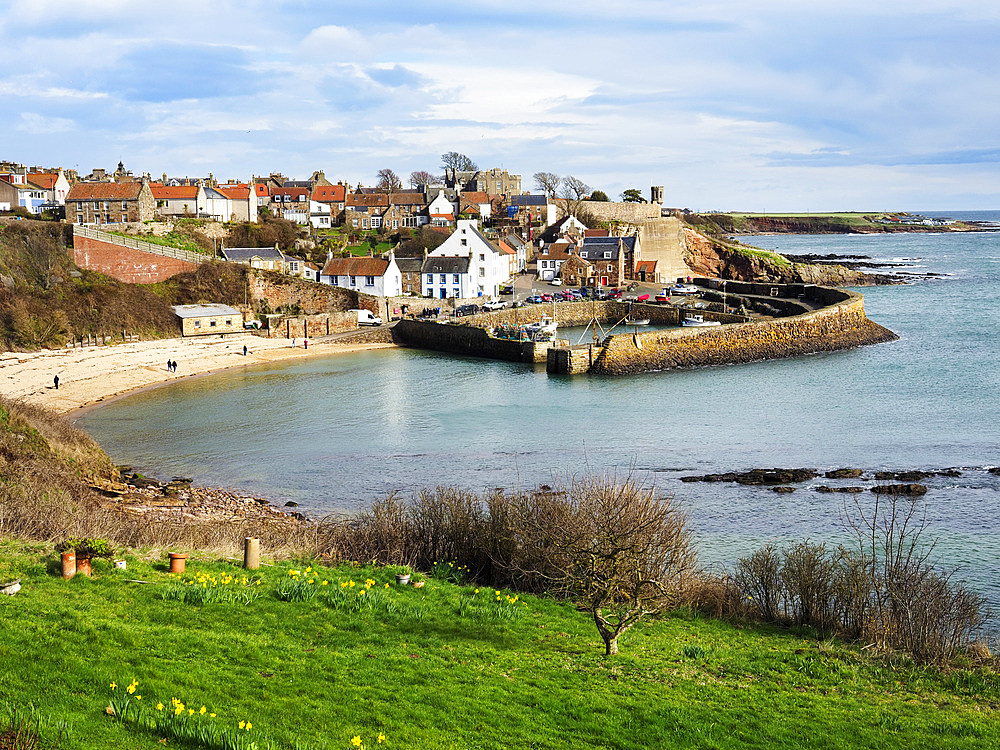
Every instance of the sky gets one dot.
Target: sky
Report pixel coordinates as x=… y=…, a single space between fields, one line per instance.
x=766 y=106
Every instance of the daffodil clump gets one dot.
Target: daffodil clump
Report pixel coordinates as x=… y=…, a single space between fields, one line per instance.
x=301 y=585
x=190 y=723
x=352 y=596
x=449 y=571
x=202 y=588
x=491 y=604
x=359 y=743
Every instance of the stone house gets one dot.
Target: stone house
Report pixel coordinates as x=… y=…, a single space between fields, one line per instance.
x=110 y=202
x=552 y=256
x=265 y=258
x=364 y=211
x=613 y=258
x=575 y=271
x=201 y=320
x=409 y=268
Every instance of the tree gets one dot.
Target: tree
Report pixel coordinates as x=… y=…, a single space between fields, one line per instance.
x=458 y=162
x=421 y=177
x=388 y=181
x=616 y=547
x=573 y=191
x=632 y=195
x=547 y=182
x=599 y=195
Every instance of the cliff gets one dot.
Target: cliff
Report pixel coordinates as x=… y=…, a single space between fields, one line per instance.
x=722 y=259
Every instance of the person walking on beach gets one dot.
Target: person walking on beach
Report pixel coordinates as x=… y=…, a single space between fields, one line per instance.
x=55 y=382
x=170 y=366
x=244 y=350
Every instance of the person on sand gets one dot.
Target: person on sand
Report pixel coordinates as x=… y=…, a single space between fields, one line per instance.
x=305 y=343
x=55 y=382
x=244 y=350
x=170 y=366
x=293 y=343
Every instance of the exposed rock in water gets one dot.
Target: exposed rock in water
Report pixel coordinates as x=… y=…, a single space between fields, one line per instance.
x=852 y=490
x=995 y=471
x=844 y=474
x=782 y=489
x=900 y=489
x=902 y=476
x=776 y=476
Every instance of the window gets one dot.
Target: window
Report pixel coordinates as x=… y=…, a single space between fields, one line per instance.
x=229 y=321
x=464 y=241
x=454 y=278
x=610 y=267
x=395 y=223
x=607 y=253
x=430 y=278
x=197 y=324
x=407 y=275
x=213 y=323
x=353 y=280
x=376 y=222
x=369 y=281
x=482 y=272
x=455 y=293
x=333 y=281
x=97 y=205
x=482 y=257
x=364 y=223
x=124 y=205
x=354 y=222
x=444 y=278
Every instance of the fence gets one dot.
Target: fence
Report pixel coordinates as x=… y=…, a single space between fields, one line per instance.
x=135 y=244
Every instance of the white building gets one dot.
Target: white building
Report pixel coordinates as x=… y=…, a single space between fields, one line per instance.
x=446 y=278
x=379 y=277
x=489 y=266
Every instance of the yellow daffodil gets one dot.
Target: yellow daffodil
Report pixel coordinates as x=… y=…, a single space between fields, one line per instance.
x=211 y=716
x=356 y=740
x=130 y=689
x=138 y=697
x=381 y=738
x=159 y=706
x=190 y=712
x=325 y=582
x=113 y=685
x=242 y=724
x=179 y=710
x=203 y=710
x=249 y=726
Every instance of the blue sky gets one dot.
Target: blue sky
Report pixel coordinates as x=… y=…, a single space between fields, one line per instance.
x=774 y=105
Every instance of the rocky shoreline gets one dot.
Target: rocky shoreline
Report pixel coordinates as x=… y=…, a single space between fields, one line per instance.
x=179 y=501
x=779 y=480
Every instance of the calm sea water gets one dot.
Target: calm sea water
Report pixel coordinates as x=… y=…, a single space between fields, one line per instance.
x=334 y=433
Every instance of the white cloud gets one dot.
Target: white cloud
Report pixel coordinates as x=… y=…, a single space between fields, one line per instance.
x=36 y=124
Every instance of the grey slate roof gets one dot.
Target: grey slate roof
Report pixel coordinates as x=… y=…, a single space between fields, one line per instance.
x=445 y=264
x=245 y=254
x=529 y=200
x=202 y=311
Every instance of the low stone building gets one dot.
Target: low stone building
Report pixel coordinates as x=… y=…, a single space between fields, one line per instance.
x=201 y=320
x=110 y=202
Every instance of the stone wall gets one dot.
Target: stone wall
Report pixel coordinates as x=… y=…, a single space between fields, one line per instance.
x=126 y=264
x=843 y=325
x=462 y=339
x=311 y=298
x=309 y=326
x=627 y=213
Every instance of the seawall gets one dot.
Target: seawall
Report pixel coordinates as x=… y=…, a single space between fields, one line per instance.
x=842 y=324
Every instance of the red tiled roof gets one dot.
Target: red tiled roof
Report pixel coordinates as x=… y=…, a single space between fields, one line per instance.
x=261 y=190
x=478 y=197
x=380 y=200
x=238 y=192
x=505 y=248
x=355 y=267
x=45 y=180
x=293 y=192
x=596 y=233
x=649 y=266
x=179 y=192
x=449 y=217
x=329 y=193
x=104 y=191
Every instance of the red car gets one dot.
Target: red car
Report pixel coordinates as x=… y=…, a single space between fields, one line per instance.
x=614 y=294
x=546 y=297
x=642 y=298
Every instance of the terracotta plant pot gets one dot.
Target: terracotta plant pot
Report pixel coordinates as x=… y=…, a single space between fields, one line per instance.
x=68 y=564
x=83 y=565
x=177 y=562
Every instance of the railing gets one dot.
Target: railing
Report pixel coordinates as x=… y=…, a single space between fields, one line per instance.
x=135 y=244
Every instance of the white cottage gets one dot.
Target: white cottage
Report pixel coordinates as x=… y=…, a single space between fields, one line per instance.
x=379 y=277
x=489 y=266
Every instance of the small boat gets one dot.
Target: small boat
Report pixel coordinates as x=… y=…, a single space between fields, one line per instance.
x=638 y=322
x=682 y=289
x=544 y=326
x=698 y=321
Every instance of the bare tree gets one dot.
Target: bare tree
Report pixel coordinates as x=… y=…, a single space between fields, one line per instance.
x=458 y=162
x=421 y=177
x=614 y=546
x=573 y=191
x=388 y=181
x=547 y=182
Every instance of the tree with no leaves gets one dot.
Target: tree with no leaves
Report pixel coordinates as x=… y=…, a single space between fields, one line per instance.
x=458 y=162
x=388 y=181
x=547 y=182
x=421 y=177
x=573 y=192
x=615 y=547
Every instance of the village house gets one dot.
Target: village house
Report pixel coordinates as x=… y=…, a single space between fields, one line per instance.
x=242 y=201
x=264 y=258
x=180 y=200
x=494 y=181
x=315 y=214
x=364 y=211
x=411 y=210
x=442 y=208
x=379 y=277
x=489 y=266
x=284 y=198
x=334 y=196
x=110 y=202
x=447 y=278
x=575 y=271
x=54 y=183
x=200 y=320
x=613 y=258
x=551 y=257
x=409 y=268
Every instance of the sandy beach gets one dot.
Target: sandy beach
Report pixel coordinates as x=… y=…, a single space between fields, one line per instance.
x=93 y=375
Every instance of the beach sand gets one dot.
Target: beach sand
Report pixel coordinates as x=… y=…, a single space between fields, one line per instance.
x=93 y=375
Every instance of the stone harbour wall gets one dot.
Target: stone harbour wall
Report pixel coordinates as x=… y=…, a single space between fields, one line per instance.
x=463 y=339
x=842 y=325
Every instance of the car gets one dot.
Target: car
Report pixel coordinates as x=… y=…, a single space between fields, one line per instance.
x=614 y=294
x=495 y=304
x=556 y=282
x=506 y=289
x=463 y=310
x=533 y=299
x=584 y=292
x=518 y=303
x=600 y=294
x=546 y=297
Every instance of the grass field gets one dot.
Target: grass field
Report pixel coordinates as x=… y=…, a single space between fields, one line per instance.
x=444 y=666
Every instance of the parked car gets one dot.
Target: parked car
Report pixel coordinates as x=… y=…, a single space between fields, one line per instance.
x=546 y=297
x=683 y=289
x=463 y=310
x=614 y=294
x=600 y=294
x=556 y=282
x=506 y=289
x=367 y=318
x=534 y=299
x=495 y=304
x=584 y=292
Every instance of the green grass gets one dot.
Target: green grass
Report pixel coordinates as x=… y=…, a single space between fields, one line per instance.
x=172 y=239
x=447 y=666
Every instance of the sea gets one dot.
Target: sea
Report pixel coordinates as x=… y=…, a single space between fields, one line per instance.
x=332 y=434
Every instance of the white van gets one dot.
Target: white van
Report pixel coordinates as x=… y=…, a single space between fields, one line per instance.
x=366 y=318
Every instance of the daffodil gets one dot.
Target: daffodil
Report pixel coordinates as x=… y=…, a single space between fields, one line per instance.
x=159 y=706
x=113 y=685
x=242 y=724
x=203 y=710
x=249 y=726
x=211 y=716
x=138 y=697
x=179 y=710
x=356 y=740
x=190 y=712
x=381 y=738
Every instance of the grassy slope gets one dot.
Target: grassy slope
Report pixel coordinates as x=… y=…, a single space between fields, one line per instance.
x=427 y=675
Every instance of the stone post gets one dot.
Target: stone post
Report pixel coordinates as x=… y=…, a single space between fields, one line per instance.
x=251 y=553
